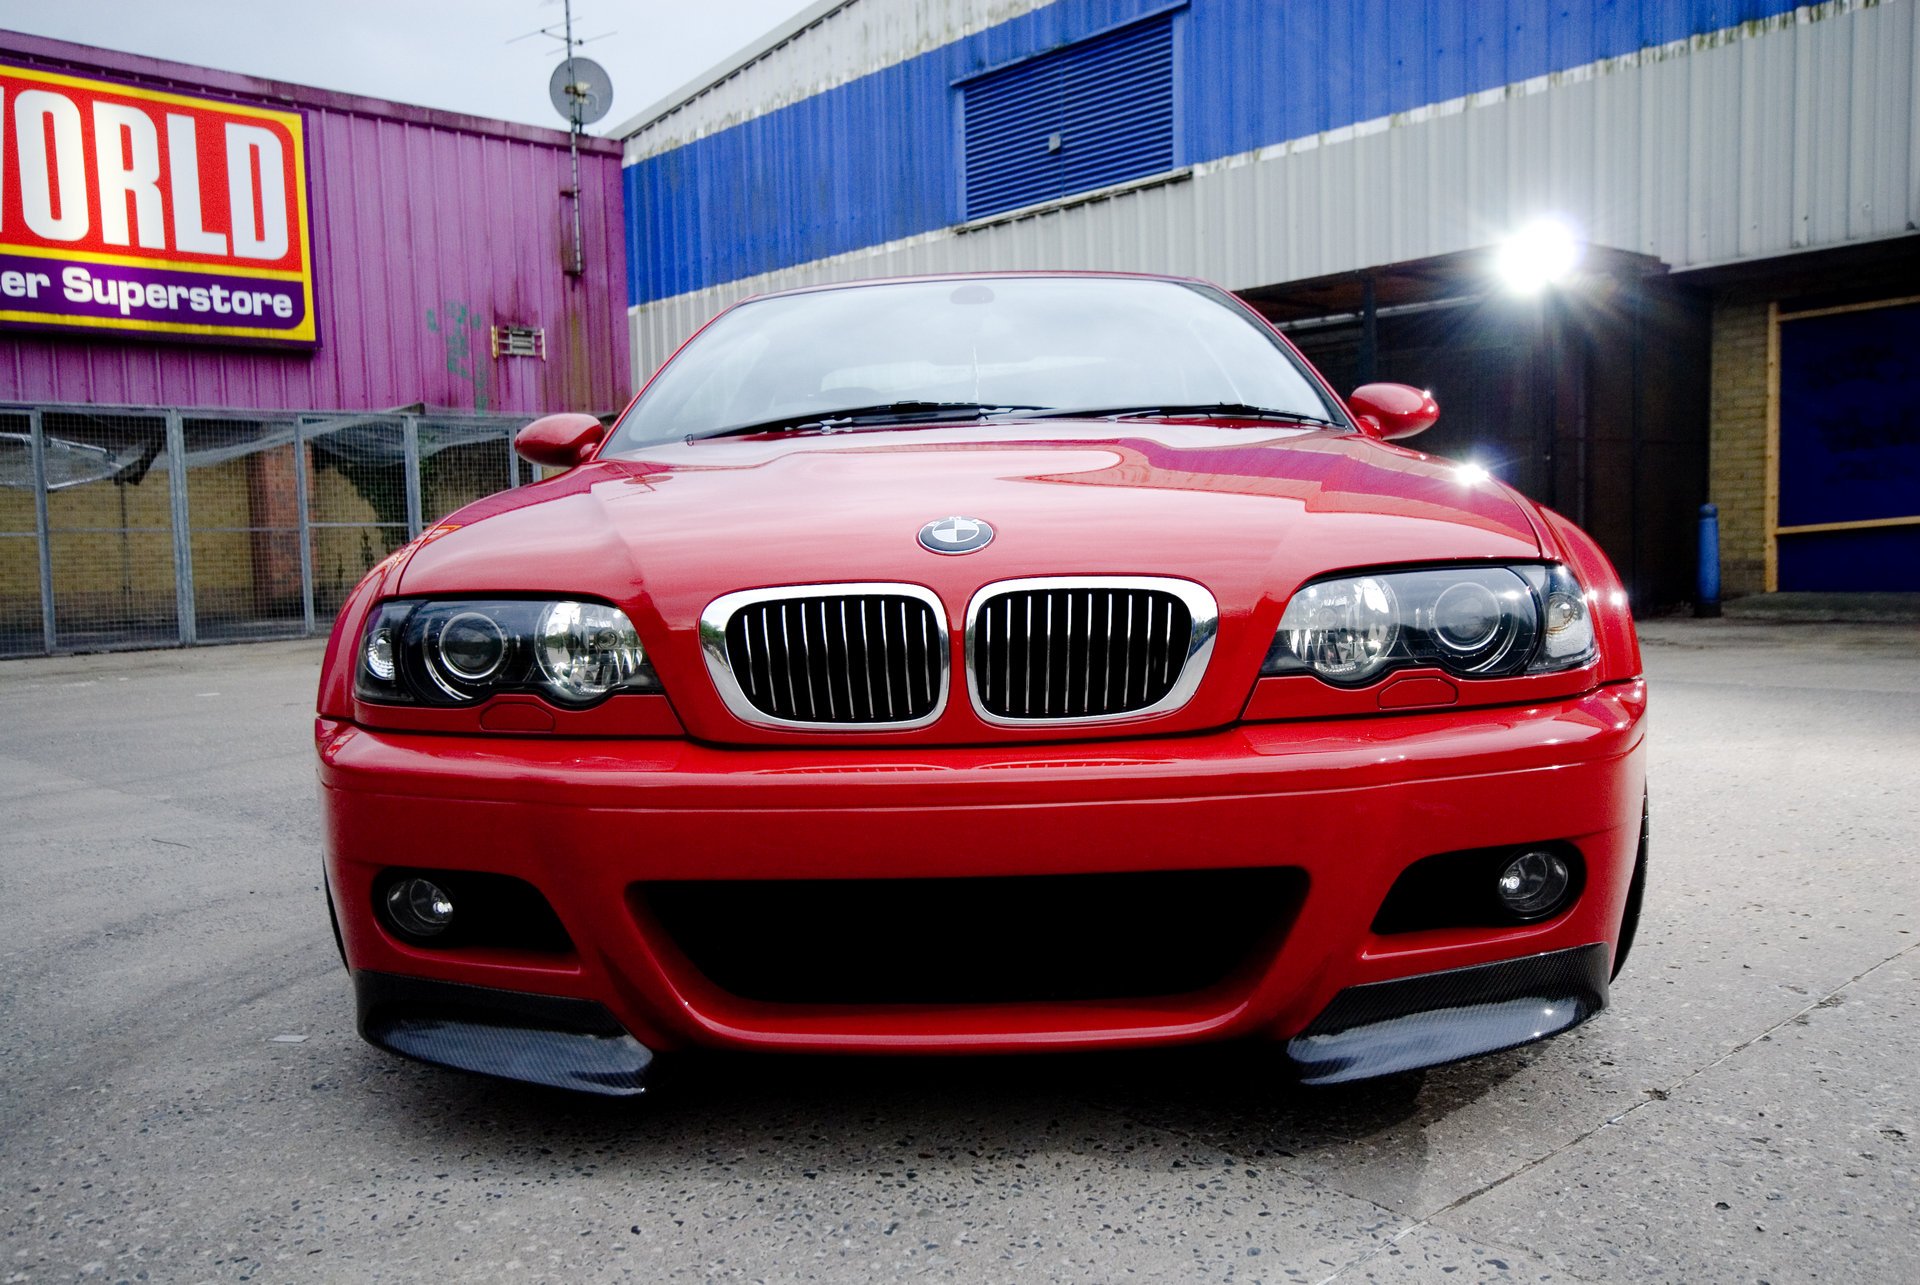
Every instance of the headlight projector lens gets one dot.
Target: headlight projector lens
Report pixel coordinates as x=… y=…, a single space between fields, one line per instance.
x=472 y=647
x=1466 y=617
x=1534 y=885
x=419 y=907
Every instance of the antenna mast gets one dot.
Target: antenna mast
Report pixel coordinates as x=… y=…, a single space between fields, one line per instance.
x=573 y=152
x=582 y=93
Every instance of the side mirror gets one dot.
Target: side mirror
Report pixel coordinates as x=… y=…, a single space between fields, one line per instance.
x=1393 y=411
x=559 y=441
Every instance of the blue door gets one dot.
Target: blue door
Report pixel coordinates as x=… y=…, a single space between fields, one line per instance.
x=1849 y=514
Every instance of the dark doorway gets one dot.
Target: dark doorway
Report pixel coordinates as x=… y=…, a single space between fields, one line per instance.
x=1590 y=399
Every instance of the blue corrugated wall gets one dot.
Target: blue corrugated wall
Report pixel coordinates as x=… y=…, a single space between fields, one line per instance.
x=873 y=160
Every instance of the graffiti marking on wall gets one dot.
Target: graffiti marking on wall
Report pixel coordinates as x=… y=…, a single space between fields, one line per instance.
x=457 y=324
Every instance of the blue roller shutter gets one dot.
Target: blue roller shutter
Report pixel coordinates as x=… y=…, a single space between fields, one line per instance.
x=1095 y=113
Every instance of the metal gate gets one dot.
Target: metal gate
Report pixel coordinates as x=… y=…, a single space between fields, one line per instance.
x=147 y=527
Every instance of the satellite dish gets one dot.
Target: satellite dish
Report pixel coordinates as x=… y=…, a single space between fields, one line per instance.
x=581 y=90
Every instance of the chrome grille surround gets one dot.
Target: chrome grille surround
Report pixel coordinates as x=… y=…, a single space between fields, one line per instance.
x=1203 y=615
x=718 y=616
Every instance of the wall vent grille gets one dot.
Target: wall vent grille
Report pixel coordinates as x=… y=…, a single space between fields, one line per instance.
x=1087 y=116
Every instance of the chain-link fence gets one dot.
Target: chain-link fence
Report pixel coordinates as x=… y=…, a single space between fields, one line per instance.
x=156 y=527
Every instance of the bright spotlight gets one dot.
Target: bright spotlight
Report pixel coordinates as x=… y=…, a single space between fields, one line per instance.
x=1471 y=474
x=1541 y=254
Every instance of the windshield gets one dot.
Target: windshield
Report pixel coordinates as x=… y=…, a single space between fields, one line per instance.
x=958 y=349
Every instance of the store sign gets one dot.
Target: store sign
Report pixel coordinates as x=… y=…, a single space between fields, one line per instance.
x=125 y=209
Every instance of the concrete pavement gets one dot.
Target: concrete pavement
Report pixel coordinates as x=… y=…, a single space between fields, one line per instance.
x=185 y=1098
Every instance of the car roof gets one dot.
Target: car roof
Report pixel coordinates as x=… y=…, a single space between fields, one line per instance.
x=1059 y=274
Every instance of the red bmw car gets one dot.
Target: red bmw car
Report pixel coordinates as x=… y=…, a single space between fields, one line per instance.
x=985 y=664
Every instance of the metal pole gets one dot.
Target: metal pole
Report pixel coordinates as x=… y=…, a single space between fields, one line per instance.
x=1574 y=354
x=513 y=462
x=1639 y=595
x=37 y=449
x=306 y=525
x=579 y=237
x=183 y=603
x=1369 y=332
x=1549 y=409
x=573 y=152
x=410 y=439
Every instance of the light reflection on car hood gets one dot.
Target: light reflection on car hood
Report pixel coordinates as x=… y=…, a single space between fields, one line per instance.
x=1250 y=511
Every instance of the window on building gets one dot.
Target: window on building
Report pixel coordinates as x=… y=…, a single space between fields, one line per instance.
x=1092 y=114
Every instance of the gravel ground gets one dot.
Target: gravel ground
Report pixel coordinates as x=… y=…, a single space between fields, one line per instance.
x=185 y=1098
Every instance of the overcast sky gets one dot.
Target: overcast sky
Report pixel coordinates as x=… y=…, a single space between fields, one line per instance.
x=458 y=54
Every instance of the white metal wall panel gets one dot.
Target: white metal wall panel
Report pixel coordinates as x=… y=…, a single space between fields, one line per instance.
x=1792 y=136
x=828 y=45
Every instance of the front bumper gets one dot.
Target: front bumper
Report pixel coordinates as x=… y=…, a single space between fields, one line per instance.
x=1349 y=803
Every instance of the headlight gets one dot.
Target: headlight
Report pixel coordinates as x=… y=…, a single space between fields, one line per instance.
x=588 y=649
x=1346 y=631
x=425 y=652
x=1473 y=622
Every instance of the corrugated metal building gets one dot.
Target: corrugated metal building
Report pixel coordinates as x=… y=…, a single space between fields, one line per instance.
x=169 y=475
x=1742 y=172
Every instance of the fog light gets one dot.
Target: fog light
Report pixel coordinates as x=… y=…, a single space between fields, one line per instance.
x=419 y=907
x=1534 y=884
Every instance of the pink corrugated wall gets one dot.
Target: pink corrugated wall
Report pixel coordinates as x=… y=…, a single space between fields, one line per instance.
x=428 y=227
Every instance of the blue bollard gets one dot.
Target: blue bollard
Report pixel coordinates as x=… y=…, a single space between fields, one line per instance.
x=1707 y=600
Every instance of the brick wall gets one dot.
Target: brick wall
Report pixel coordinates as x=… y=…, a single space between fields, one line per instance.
x=1737 y=473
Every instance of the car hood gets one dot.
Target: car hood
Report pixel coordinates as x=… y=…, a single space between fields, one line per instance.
x=1249 y=511
x=689 y=522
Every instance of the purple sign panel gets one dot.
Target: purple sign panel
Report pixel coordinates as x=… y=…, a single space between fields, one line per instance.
x=195 y=301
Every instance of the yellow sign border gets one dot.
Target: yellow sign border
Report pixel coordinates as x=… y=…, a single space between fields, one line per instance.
x=63 y=320
x=295 y=124
x=135 y=261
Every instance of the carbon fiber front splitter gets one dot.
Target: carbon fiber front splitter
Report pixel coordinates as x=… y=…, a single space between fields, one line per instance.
x=1376 y=1029
x=1413 y=1022
x=538 y=1039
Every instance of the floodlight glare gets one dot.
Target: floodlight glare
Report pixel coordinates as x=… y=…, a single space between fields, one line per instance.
x=1541 y=254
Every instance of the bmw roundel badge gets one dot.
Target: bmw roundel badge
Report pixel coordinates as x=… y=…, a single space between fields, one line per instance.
x=956 y=535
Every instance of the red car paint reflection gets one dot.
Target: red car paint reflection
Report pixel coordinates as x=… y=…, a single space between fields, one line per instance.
x=1222 y=864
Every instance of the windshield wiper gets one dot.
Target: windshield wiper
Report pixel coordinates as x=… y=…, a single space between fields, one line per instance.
x=1221 y=410
x=922 y=411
